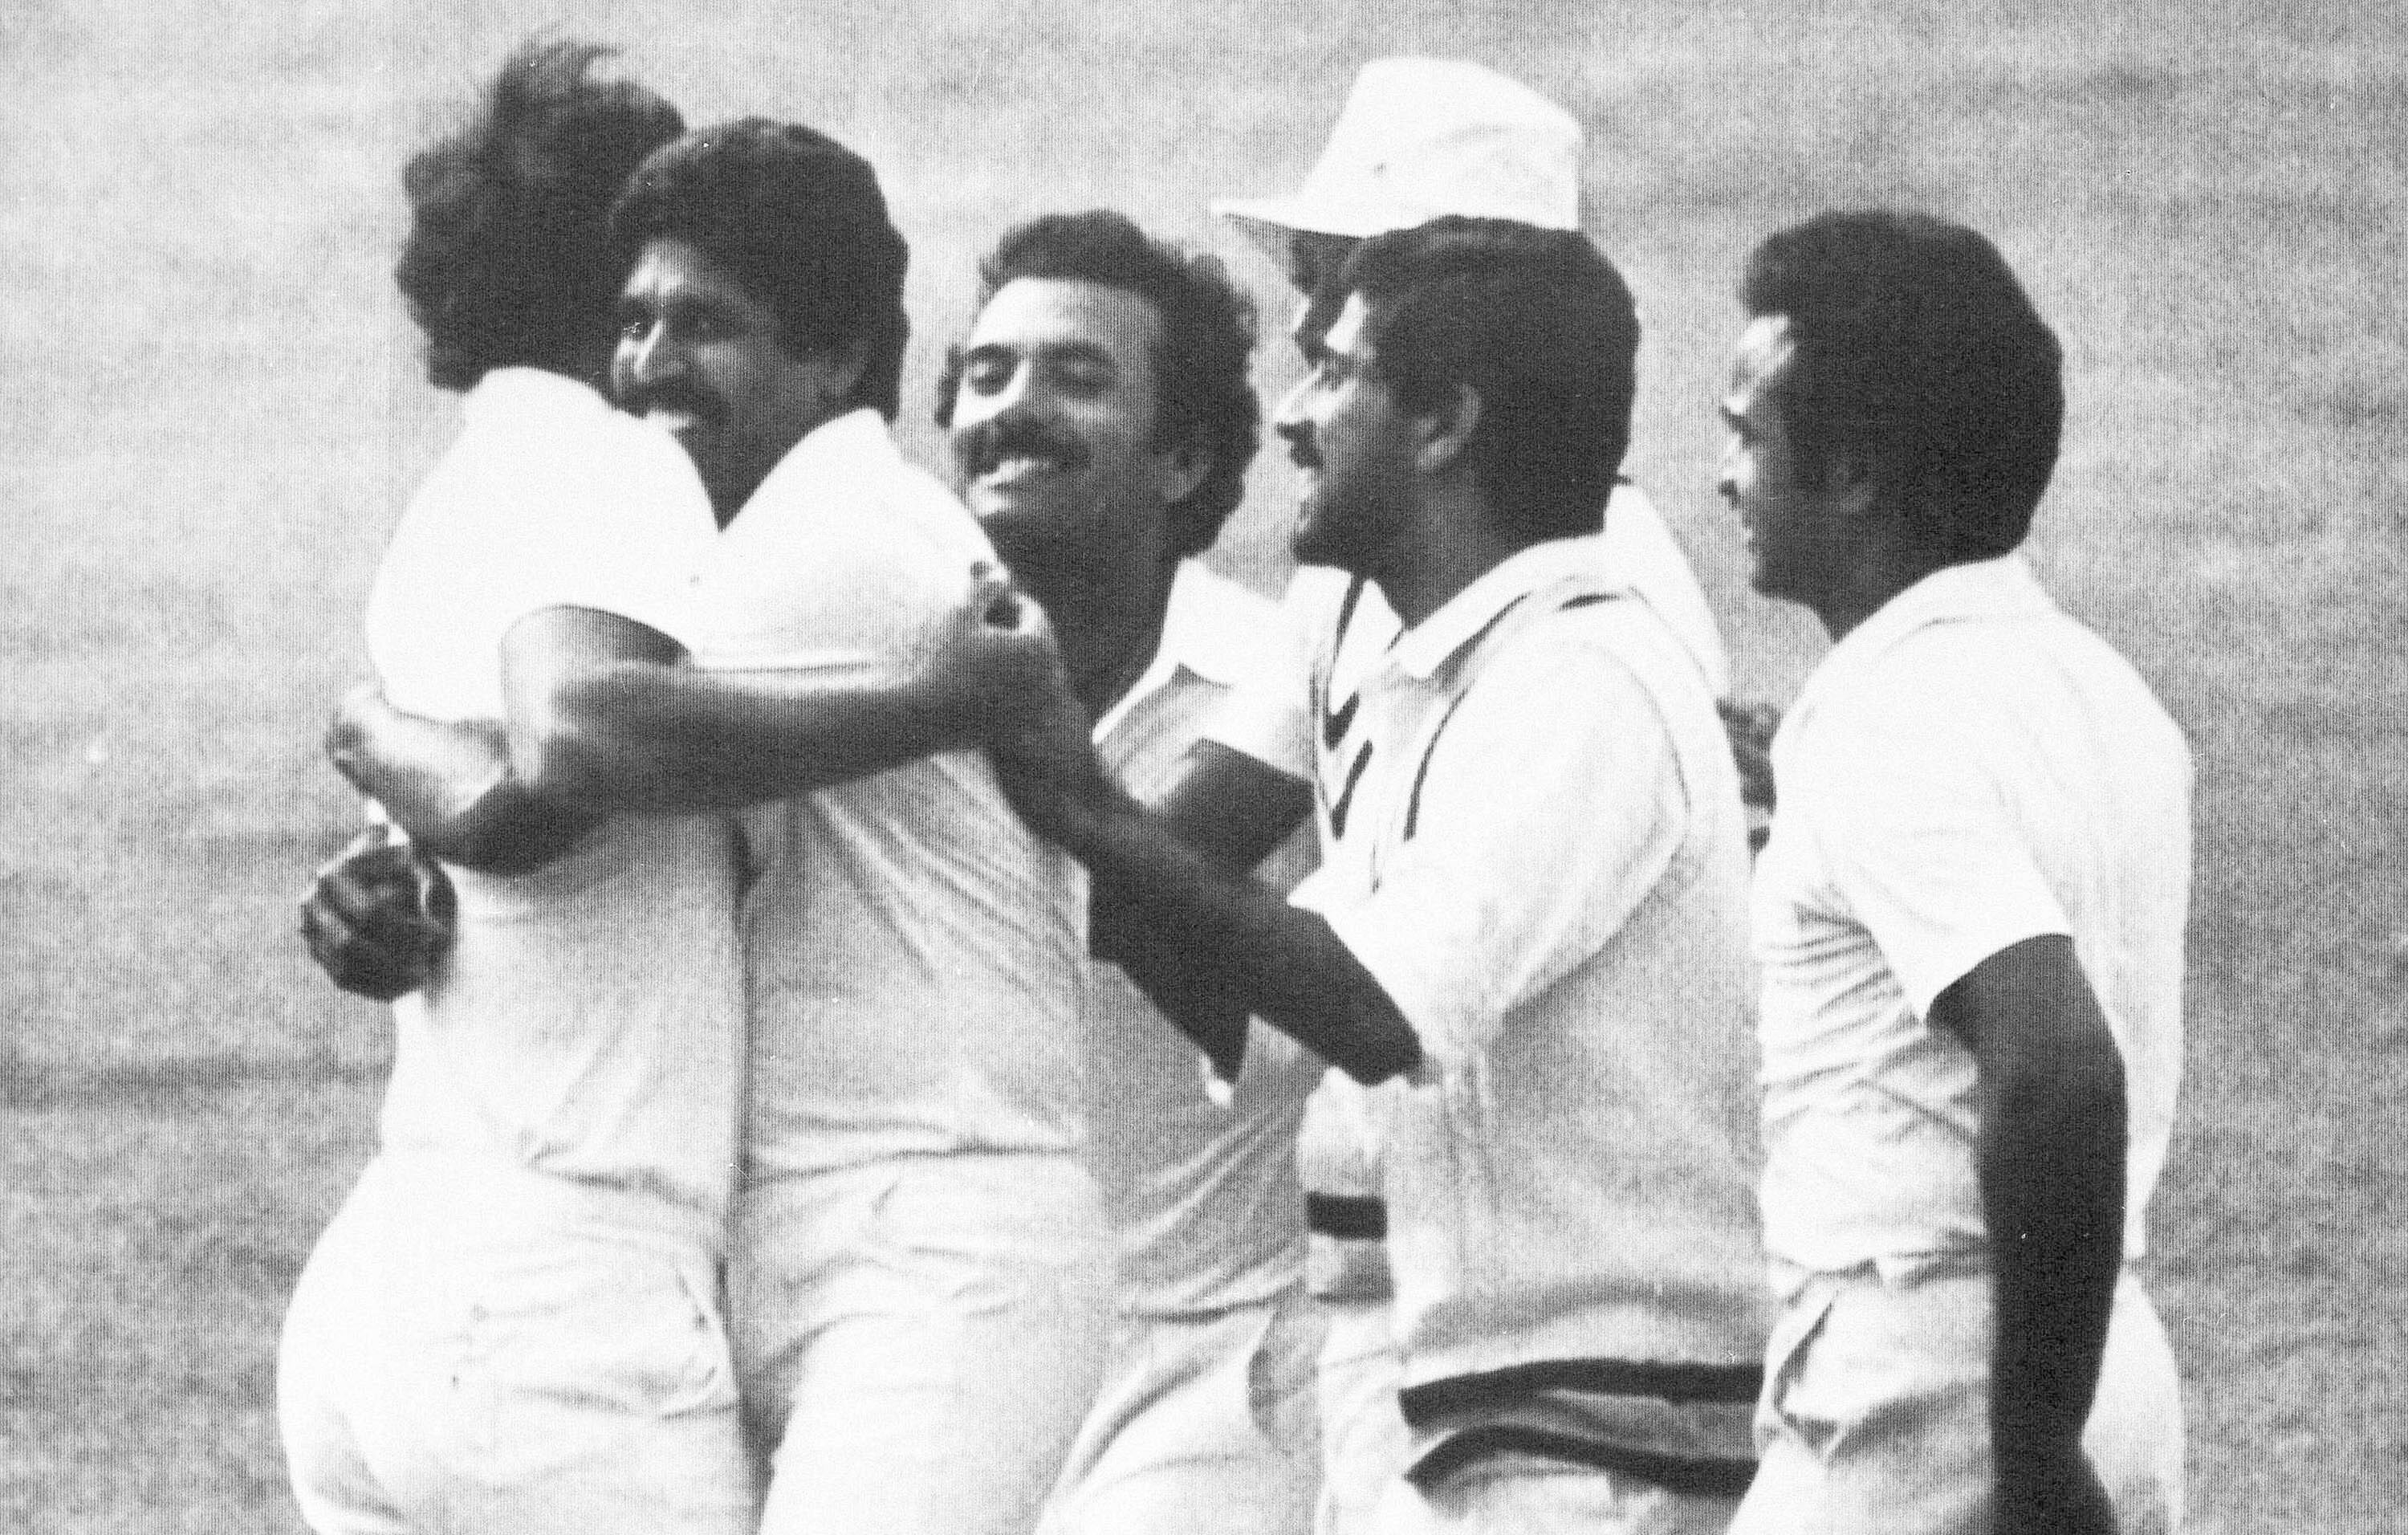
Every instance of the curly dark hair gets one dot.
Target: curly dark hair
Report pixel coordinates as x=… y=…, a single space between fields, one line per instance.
x=509 y=260
x=1201 y=395
x=1540 y=326
x=1917 y=351
x=798 y=221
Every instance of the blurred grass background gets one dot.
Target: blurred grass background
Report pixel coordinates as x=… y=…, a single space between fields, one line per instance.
x=210 y=413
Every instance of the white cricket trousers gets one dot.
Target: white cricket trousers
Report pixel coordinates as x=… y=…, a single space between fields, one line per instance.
x=1206 y=1425
x=477 y=1349
x=918 y=1339
x=1365 y=1446
x=1875 y=1415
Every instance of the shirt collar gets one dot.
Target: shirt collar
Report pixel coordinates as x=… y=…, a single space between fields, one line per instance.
x=1421 y=650
x=1203 y=625
x=1984 y=589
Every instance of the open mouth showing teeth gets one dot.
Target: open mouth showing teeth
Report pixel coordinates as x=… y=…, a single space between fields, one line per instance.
x=1023 y=466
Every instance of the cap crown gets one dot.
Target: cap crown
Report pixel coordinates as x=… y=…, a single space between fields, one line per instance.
x=1419 y=138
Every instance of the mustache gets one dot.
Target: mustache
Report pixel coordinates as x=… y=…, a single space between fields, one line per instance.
x=704 y=407
x=978 y=449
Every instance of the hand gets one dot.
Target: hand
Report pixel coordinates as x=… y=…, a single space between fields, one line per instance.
x=1750 y=728
x=997 y=657
x=347 y=733
x=380 y=916
x=2054 y=1493
x=1046 y=763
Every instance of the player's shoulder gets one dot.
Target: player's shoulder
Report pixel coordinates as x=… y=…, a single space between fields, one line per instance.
x=927 y=506
x=1224 y=627
x=1571 y=660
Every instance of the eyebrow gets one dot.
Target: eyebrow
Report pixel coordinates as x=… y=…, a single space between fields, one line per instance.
x=680 y=302
x=1083 y=352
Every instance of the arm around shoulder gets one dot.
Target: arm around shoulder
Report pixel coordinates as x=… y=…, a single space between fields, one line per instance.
x=609 y=715
x=449 y=785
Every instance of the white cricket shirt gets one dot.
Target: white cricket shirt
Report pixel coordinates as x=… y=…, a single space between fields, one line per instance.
x=1968 y=769
x=916 y=955
x=1295 y=719
x=589 y=1019
x=1202 y=1188
x=1542 y=862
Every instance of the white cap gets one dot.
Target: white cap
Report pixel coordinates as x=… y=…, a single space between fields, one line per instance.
x=1423 y=138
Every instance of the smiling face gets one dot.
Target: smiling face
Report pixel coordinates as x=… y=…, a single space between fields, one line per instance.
x=1054 y=427
x=1797 y=531
x=702 y=357
x=1355 y=444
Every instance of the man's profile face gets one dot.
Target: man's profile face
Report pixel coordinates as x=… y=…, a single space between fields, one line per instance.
x=1053 y=426
x=1316 y=265
x=1794 y=530
x=1355 y=445
x=700 y=356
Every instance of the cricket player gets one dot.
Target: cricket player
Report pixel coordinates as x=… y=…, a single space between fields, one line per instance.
x=1417 y=139
x=514 y=1325
x=1530 y=931
x=919 y=1274
x=1969 y=920
x=1101 y=424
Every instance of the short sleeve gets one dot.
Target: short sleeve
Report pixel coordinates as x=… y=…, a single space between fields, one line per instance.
x=1549 y=804
x=1923 y=850
x=1267 y=715
x=846 y=573
x=639 y=526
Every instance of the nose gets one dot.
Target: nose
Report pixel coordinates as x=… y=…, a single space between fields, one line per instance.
x=649 y=356
x=1315 y=312
x=1015 y=396
x=1291 y=421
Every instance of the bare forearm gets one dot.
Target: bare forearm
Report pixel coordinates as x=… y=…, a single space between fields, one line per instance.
x=2050 y=1086
x=2052 y=1176
x=1227 y=807
x=1213 y=934
x=450 y=787
x=640 y=737
x=1231 y=807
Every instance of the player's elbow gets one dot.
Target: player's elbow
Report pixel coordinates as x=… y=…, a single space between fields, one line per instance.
x=562 y=750
x=2073 y=1088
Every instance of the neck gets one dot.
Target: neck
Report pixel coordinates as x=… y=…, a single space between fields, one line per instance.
x=1880 y=573
x=1450 y=542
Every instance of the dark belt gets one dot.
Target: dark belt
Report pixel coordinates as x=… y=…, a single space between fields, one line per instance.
x=1355 y=1217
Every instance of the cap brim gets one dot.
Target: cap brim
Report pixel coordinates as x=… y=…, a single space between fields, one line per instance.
x=1271 y=223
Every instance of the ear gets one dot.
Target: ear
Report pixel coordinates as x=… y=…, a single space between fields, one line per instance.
x=1850 y=482
x=837 y=370
x=1186 y=468
x=1444 y=435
